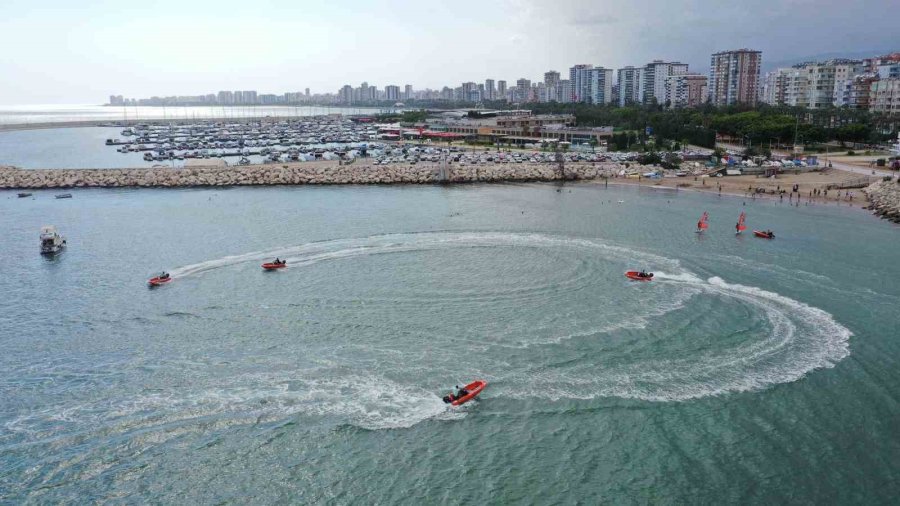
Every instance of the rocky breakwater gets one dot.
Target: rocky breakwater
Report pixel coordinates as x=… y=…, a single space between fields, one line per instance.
x=297 y=174
x=885 y=199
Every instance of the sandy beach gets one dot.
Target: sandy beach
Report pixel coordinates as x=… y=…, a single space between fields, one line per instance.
x=746 y=186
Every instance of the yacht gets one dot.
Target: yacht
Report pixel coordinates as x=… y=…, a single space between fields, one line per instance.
x=51 y=242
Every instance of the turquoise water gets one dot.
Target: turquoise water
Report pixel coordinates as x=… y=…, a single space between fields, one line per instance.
x=748 y=371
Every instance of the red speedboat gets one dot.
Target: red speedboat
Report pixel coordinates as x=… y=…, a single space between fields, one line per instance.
x=159 y=280
x=271 y=266
x=764 y=235
x=474 y=388
x=636 y=275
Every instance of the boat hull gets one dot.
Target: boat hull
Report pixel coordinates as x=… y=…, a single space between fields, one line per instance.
x=636 y=276
x=474 y=388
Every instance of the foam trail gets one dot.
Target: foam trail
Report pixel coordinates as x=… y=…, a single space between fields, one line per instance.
x=309 y=253
x=799 y=338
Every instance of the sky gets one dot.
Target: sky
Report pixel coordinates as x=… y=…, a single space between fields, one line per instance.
x=67 y=52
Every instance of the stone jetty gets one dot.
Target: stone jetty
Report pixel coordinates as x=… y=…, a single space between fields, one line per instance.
x=299 y=174
x=885 y=199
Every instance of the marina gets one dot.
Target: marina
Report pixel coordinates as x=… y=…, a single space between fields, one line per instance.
x=330 y=138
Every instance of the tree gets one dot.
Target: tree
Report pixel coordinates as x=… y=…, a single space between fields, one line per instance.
x=650 y=158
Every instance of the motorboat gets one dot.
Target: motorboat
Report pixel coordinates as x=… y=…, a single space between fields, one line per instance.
x=51 y=242
x=472 y=390
x=161 y=279
x=64 y=196
x=639 y=275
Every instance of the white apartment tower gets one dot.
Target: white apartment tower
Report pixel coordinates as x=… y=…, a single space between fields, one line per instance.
x=653 y=79
x=578 y=81
x=629 y=80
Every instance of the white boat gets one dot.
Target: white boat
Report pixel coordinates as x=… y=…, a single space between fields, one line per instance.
x=51 y=242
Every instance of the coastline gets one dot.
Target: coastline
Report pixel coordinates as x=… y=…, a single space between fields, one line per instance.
x=734 y=186
x=812 y=187
x=302 y=173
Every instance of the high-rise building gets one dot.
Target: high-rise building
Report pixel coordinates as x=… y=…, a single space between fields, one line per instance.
x=734 y=77
x=238 y=97
x=408 y=92
x=501 y=90
x=523 y=85
x=250 y=97
x=629 y=82
x=578 y=81
x=884 y=96
x=856 y=92
x=307 y=92
x=775 y=86
x=469 y=92
x=550 y=92
x=551 y=78
x=653 y=79
x=820 y=84
x=225 y=97
x=599 y=85
x=392 y=92
x=844 y=73
x=685 y=90
x=489 y=91
x=565 y=91
x=345 y=95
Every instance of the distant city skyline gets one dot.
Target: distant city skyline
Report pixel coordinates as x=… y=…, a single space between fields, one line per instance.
x=735 y=77
x=81 y=54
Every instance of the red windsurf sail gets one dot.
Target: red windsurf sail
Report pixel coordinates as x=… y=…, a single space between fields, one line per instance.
x=740 y=224
x=703 y=224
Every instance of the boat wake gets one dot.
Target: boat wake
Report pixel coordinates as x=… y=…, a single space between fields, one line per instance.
x=797 y=339
x=769 y=339
x=311 y=253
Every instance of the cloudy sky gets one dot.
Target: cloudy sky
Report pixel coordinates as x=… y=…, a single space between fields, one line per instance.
x=81 y=52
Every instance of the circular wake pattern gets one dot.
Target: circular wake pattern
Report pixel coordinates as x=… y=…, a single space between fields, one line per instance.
x=532 y=309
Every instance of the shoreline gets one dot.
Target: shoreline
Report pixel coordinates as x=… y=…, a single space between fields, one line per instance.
x=302 y=173
x=811 y=186
x=861 y=204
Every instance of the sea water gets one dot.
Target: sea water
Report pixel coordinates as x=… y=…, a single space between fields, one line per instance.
x=748 y=370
